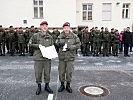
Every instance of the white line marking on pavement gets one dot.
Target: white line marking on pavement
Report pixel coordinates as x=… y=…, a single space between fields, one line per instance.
x=50 y=97
x=57 y=88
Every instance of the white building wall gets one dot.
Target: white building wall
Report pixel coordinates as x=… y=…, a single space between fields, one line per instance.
x=15 y=11
x=116 y=22
x=56 y=12
x=60 y=11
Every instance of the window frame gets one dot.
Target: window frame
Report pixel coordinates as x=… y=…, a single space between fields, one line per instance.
x=107 y=11
x=87 y=11
x=38 y=6
x=124 y=9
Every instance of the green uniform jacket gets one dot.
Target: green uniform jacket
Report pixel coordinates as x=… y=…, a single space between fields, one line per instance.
x=44 y=40
x=55 y=35
x=2 y=36
x=11 y=36
x=27 y=36
x=97 y=37
x=21 y=37
x=85 y=37
x=112 y=36
x=73 y=43
x=116 y=38
x=106 y=37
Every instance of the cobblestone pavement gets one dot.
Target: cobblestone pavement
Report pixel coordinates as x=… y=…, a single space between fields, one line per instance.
x=17 y=81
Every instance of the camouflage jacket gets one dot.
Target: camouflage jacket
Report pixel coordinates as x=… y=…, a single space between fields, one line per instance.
x=44 y=40
x=73 y=43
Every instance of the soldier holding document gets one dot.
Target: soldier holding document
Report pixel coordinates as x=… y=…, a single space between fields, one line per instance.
x=42 y=65
x=68 y=43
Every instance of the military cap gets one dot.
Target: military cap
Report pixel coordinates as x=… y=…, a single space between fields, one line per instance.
x=112 y=29
x=66 y=24
x=11 y=27
x=102 y=27
x=44 y=22
x=86 y=27
x=32 y=26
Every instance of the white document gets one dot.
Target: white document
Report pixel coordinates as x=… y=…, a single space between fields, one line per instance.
x=48 y=52
x=64 y=47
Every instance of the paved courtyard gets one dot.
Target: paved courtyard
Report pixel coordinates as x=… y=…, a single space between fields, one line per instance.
x=17 y=81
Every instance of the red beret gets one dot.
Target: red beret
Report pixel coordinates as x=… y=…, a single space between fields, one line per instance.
x=66 y=24
x=44 y=22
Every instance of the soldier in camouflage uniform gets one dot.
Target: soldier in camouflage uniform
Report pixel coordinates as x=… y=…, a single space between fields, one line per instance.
x=106 y=40
x=7 y=40
x=21 y=42
x=31 y=33
x=42 y=65
x=16 y=40
x=12 y=40
x=2 y=41
x=66 y=56
x=55 y=34
x=112 y=33
x=74 y=30
x=27 y=38
x=96 y=42
x=91 y=39
x=86 y=42
x=36 y=30
x=79 y=34
x=101 y=41
x=115 y=42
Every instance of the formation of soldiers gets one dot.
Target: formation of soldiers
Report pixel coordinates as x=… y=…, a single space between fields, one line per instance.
x=15 y=40
x=105 y=42
x=94 y=42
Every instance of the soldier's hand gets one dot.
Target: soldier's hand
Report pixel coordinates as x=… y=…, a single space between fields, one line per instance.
x=61 y=44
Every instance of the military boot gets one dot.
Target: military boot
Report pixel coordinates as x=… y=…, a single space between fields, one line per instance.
x=20 y=54
x=116 y=54
x=23 y=54
x=47 y=88
x=68 y=88
x=97 y=54
x=62 y=87
x=4 y=54
x=12 y=54
x=38 y=91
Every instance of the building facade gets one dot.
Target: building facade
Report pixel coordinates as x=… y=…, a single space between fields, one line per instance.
x=101 y=13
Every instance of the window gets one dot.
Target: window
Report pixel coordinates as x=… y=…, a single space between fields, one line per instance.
x=106 y=11
x=38 y=8
x=125 y=10
x=87 y=12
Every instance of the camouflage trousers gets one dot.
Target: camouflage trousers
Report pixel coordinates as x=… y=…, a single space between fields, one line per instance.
x=42 y=68
x=65 y=69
